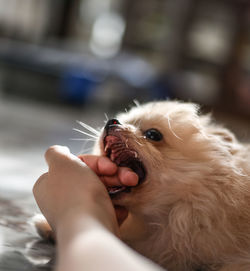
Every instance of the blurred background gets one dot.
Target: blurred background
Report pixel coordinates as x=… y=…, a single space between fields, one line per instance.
x=109 y=52
x=68 y=60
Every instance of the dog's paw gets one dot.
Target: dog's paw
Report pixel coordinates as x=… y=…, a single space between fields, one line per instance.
x=42 y=227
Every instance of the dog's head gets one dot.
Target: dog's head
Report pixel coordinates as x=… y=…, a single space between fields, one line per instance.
x=170 y=147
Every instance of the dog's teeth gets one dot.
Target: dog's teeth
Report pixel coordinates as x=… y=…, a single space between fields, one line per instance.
x=106 y=148
x=112 y=157
x=116 y=189
x=126 y=143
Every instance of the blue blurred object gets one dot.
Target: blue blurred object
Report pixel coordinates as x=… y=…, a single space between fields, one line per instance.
x=162 y=88
x=76 y=86
x=57 y=75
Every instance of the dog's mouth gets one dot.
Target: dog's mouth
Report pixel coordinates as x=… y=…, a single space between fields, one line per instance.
x=122 y=155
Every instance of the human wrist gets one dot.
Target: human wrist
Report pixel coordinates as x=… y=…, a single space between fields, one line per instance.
x=81 y=219
x=72 y=225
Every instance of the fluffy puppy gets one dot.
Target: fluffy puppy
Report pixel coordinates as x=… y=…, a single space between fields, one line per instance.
x=190 y=209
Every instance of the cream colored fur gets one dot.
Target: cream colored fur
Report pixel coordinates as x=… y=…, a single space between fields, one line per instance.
x=193 y=210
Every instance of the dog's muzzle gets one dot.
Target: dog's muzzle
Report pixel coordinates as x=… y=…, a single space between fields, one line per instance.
x=116 y=147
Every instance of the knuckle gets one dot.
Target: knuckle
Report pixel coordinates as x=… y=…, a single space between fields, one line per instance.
x=49 y=152
x=56 y=151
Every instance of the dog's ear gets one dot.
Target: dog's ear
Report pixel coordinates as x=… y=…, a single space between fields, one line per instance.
x=225 y=137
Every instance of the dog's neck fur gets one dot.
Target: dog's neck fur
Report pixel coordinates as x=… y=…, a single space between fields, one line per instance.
x=175 y=235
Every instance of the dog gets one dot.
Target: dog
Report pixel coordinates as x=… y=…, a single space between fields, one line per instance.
x=191 y=208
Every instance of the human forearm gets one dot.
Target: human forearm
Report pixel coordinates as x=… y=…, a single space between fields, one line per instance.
x=87 y=244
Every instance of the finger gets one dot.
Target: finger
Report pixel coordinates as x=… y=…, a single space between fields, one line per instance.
x=127 y=177
x=110 y=180
x=37 y=184
x=101 y=165
x=55 y=152
x=106 y=166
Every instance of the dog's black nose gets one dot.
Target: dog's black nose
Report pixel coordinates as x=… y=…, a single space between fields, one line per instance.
x=111 y=123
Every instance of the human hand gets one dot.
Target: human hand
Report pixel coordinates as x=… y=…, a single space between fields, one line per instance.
x=70 y=190
x=112 y=175
x=109 y=172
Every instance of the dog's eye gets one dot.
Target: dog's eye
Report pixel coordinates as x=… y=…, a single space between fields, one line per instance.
x=153 y=134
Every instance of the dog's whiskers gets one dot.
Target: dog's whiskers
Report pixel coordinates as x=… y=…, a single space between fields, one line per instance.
x=83 y=139
x=86 y=150
x=87 y=134
x=106 y=117
x=88 y=127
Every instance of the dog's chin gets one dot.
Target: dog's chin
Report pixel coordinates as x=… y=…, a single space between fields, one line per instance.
x=129 y=200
